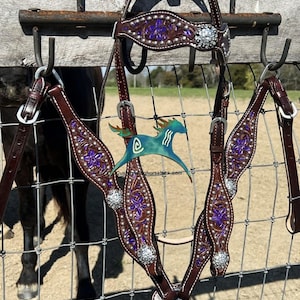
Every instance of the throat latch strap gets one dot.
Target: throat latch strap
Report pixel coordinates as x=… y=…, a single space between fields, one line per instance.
x=286 y=111
x=27 y=115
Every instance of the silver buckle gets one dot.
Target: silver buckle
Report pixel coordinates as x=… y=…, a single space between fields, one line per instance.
x=215 y=120
x=290 y=116
x=25 y=120
x=124 y=103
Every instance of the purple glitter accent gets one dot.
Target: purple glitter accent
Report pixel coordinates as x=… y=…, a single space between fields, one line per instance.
x=158 y=31
x=220 y=216
x=90 y=151
x=139 y=208
x=201 y=252
x=93 y=159
x=241 y=146
x=73 y=124
x=137 y=204
x=187 y=32
x=131 y=240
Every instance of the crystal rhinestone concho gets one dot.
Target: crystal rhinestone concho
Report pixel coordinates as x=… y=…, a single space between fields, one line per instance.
x=231 y=187
x=220 y=260
x=114 y=199
x=146 y=254
x=206 y=36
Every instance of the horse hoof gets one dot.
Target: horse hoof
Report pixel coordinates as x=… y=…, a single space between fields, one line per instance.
x=37 y=241
x=7 y=232
x=27 y=292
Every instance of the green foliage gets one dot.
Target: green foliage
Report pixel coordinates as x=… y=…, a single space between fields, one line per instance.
x=243 y=76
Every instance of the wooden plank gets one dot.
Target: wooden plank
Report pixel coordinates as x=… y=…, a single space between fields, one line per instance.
x=16 y=47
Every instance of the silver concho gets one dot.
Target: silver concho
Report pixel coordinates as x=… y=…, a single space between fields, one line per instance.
x=114 y=199
x=220 y=260
x=146 y=254
x=206 y=36
x=231 y=187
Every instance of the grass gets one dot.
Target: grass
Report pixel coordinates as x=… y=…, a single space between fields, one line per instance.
x=193 y=92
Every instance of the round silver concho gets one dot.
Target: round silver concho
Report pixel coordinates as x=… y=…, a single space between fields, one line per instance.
x=231 y=187
x=220 y=260
x=206 y=36
x=146 y=254
x=114 y=199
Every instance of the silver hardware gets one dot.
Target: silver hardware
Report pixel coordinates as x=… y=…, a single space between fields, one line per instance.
x=114 y=199
x=25 y=120
x=55 y=74
x=291 y=116
x=220 y=260
x=206 y=36
x=146 y=254
x=215 y=120
x=231 y=187
x=122 y=104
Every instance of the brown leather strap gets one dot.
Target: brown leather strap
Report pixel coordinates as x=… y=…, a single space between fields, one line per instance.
x=241 y=143
x=164 y=30
x=215 y=13
x=27 y=115
x=286 y=112
x=214 y=225
x=222 y=189
x=95 y=162
x=218 y=205
x=139 y=203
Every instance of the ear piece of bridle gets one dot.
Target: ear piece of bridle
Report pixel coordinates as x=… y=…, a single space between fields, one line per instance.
x=38 y=52
x=263 y=57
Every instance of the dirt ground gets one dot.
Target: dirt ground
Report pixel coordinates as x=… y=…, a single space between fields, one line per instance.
x=262 y=251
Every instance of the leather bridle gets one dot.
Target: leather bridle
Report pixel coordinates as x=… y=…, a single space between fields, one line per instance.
x=228 y=160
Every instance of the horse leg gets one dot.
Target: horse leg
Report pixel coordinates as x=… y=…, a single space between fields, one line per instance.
x=85 y=289
x=61 y=193
x=27 y=282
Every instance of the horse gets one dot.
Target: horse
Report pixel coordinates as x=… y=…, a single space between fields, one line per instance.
x=141 y=144
x=82 y=86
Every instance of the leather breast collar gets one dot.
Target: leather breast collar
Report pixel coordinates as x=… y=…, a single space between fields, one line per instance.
x=160 y=31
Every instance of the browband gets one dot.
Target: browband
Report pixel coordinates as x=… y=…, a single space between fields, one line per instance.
x=163 y=30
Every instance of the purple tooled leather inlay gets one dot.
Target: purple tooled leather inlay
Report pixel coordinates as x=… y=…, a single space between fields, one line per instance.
x=130 y=239
x=93 y=159
x=219 y=215
x=137 y=205
x=240 y=150
x=158 y=31
x=203 y=250
x=164 y=29
x=140 y=215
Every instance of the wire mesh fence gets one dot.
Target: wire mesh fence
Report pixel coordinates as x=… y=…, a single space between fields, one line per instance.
x=264 y=256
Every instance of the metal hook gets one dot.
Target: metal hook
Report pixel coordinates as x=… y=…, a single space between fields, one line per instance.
x=263 y=57
x=38 y=50
x=80 y=5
